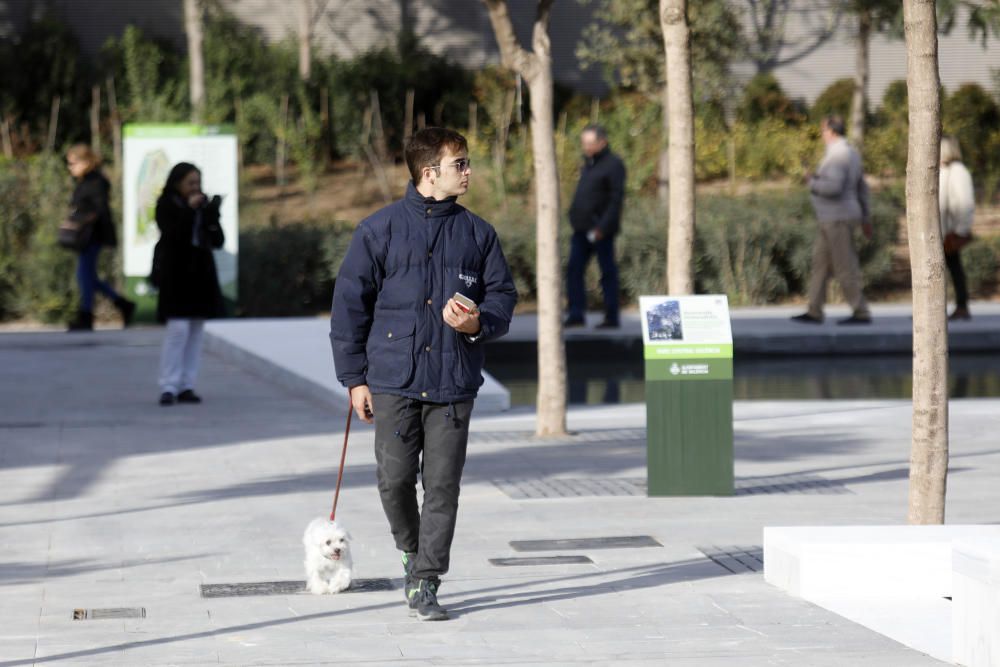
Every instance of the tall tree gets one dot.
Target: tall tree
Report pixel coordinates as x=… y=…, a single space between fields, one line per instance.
x=982 y=19
x=772 y=44
x=862 y=67
x=535 y=68
x=626 y=40
x=929 y=448
x=194 y=20
x=680 y=113
x=305 y=19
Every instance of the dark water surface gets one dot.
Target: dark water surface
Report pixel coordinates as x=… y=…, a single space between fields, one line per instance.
x=618 y=378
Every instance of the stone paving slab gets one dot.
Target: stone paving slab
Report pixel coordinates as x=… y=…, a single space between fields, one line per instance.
x=110 y=500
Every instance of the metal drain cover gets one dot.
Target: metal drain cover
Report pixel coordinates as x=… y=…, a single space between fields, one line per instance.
x=625 y=542
x=736 y=559
x=286 y=588
x=540 y=560
x=110 y=613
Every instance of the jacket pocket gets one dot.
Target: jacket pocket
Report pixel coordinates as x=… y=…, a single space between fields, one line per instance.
x=390 y=351
x=467 y=369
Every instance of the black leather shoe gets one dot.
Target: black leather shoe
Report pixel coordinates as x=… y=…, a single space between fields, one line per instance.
x=854 y=319
x=806 y=318
x=84 y=321
x=570 y=323
x=127 y=310
x=188 y=396
x=166 y=398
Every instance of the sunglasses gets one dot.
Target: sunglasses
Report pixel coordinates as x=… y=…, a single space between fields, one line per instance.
x=460 y=165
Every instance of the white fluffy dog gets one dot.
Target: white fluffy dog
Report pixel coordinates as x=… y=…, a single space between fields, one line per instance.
x=328 y=557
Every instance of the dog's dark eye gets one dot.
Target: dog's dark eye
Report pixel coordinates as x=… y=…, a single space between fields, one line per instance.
x=328 y=542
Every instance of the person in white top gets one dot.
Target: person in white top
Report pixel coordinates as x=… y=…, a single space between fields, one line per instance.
x=957 y=202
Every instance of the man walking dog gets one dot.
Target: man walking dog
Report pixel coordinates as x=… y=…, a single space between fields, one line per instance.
x=408 y=344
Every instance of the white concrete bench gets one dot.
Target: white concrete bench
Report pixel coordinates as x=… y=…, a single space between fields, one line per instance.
x=896 y=580
x=976 y=602
x=295 y=353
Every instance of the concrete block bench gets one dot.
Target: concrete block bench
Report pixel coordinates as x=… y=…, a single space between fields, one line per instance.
x=896 y=580
x=976 y=601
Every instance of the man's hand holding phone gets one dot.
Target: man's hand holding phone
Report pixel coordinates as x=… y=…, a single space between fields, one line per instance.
x=462 y=314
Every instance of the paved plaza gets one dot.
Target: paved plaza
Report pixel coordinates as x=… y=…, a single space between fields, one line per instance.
x=111 y=502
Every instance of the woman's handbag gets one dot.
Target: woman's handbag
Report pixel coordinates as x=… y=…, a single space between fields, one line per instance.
x=75 y=232
x=954 y=242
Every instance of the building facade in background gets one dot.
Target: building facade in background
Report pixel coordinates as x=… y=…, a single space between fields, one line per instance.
x=816 y=47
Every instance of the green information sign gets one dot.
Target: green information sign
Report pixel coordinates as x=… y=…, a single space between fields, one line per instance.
x=688 y=350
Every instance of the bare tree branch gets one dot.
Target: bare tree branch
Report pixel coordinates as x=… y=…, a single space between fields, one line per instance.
x=512 y=54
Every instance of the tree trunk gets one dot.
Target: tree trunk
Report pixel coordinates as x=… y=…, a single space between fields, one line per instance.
x=929 y=448
x=116 y=125
x=305 y=39
x=663 y=164
x=95 y=119
x=677 y=47
x=859 y=101
x=193 y=17
x=536 y=70
x=50 y=139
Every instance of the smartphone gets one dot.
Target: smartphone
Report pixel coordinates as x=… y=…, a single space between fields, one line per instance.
x=465 y=303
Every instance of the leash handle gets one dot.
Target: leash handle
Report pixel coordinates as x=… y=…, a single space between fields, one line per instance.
x=343 y=458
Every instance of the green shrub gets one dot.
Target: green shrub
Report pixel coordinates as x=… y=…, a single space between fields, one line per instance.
x=290 y=270
x=36 y=275
x=971 y=115
x=836 y=99
x=771 y=148
x=150 y=77
x=763 y=98
x=42 y=62
x=979 y=260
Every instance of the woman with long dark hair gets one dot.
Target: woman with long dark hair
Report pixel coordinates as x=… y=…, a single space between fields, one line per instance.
x=185 y=274
x=90 y=208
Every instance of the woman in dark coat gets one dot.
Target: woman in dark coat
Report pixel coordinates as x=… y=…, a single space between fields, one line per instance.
x=184 y=271
x=90 y=205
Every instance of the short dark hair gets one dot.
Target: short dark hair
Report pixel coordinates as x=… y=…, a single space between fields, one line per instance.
x=836 y=124
x=426 y=147
x=597 y=129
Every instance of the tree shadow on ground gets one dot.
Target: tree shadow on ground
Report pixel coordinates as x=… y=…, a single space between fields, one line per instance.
x=18 y=573
x=628 y=578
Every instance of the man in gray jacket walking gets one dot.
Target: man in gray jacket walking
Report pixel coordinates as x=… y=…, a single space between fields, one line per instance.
x=840 y=199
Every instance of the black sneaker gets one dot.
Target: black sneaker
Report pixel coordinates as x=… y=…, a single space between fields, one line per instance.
x=423 y=601
x=806 y=318
x=188 y=396
x=166 y=398
x=409 y=581
x=573 y=323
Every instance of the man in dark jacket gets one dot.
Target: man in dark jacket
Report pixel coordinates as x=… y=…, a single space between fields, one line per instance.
x=595 y=215
x=410 y=354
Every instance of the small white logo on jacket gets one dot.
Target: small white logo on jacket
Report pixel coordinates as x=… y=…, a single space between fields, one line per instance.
x=469 y=280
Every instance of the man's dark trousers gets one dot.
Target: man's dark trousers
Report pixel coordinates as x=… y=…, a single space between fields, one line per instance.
x=404 y=429
x=580 y=251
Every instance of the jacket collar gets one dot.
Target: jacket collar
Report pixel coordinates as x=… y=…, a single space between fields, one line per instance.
x=428 y=206
x=591 y=161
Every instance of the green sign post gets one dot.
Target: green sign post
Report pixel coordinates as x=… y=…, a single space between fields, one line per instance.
x=688 y=349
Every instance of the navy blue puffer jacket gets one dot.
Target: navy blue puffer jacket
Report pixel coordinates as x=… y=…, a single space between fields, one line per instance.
x=404 y=262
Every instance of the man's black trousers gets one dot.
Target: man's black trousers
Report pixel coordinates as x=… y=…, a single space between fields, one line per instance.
x=412 y=436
